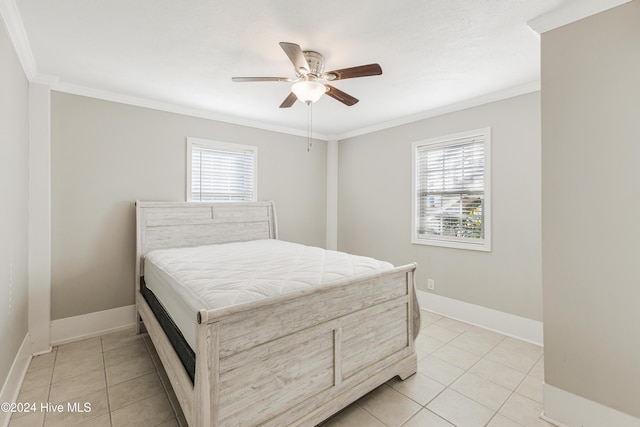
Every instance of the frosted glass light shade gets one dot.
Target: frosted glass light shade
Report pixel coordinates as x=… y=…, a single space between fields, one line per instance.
x=308 y=91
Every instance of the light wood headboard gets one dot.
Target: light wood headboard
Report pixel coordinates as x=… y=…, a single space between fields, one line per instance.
x=161 y=225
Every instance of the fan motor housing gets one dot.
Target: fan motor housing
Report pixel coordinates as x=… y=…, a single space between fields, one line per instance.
x=315 y=61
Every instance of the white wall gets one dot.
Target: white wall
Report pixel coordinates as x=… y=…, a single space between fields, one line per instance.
x=105 y=155
x=375 y=206
x=591 y=200
x=14 y=214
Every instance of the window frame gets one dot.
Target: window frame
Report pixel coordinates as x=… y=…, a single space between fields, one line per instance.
x=220 y=146
x=483 y=244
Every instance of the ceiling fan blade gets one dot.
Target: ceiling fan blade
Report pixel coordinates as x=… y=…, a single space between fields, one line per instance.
x=294 y=52
x=261 y=79
x=353 y=72
x=345 y=98
x=289 y=101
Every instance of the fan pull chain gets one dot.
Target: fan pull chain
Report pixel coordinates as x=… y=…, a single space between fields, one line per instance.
x=309 y=128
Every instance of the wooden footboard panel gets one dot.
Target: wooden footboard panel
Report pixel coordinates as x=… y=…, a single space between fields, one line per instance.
x=266 y=320
x=309 y=355
x=255 y=385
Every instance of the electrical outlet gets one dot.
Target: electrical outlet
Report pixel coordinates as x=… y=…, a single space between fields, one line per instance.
x=431 y=284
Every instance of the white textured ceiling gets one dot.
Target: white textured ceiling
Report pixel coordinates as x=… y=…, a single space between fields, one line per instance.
x=434 y=53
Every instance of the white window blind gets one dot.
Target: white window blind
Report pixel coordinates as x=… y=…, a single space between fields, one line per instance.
x=220 y=171
x=451 y=191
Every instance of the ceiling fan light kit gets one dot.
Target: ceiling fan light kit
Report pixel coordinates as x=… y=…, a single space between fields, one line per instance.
x=308 y=91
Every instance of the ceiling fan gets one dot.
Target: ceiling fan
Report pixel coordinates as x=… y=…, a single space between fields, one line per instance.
x=311 y=79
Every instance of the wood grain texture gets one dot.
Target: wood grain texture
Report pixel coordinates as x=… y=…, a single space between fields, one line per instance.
x=163 y=225
x=290 y=360
x=176 y=373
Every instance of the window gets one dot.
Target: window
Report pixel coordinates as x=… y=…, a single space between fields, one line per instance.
x=220 y=171
x=451 y=191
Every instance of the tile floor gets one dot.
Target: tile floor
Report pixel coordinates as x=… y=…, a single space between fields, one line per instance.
x=467 y=376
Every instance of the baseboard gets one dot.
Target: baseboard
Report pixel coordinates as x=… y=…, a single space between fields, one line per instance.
x=568 y=410
x=91 y=325
x=498 y=321
x=12 y=385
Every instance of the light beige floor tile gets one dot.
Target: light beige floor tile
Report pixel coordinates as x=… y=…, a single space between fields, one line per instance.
x=522 y=347
x=81 y=345
x=454 y=325
x=457 y=357
x=439 y=333
x=516 y=354
x=78 y=410
x=531 y=387
x=139 y=388
x=101 y=421
x=425 y=345
x=474 y=343
x=36 y=378
x=91 y=362
x=538 y=369
x=439 y=370
x=65 y=390
x=43 y=360
x=171 y=423
x=76 y=351
x=84 y=344
x=481 y=390
x=418 y=387
x=389 y=406
x=153 y=353
x=426 y=418
x=502 y=421
x=34 y=419
x=121 y=338
x=460 y=410
x=34 y=396
x=428 y=317
x=489 y=336
x=524 y=411
x=136 y=348
x=135 y=367
x=498 y=373
x=352 y=416
x=151 y=411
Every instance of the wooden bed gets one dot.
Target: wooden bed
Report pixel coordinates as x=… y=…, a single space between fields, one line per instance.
x=291 y=360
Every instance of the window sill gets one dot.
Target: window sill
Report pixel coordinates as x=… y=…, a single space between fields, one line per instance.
x=483 y=246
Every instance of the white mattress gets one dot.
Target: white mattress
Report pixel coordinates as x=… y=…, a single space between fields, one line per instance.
x=186 y=280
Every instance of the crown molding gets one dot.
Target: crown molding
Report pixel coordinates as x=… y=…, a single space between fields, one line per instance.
x=45 y=79
x=571 y=12
x=62 y=86
x=451 y=108
x=13 y=22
